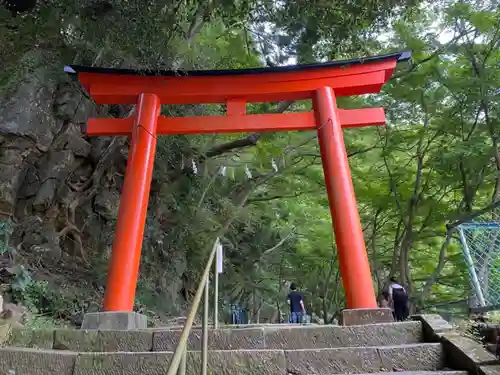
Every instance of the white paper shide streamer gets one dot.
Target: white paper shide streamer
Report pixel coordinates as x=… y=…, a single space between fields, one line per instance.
x=194 y=167
x=274 y=165
x=247 y=172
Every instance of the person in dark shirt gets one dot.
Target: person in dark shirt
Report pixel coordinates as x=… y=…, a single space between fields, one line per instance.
x=296 y=302
x=399 y=299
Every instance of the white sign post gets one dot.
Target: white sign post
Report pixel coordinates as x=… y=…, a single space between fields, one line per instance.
x=217 y=270
x=220 y=259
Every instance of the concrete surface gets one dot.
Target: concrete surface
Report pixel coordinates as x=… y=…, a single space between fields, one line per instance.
x=443 y=372
x=269 y=337
x=366 y=316
x=385 y=349
x=359 y=360
x=489 y=370
x=103 y=341
x=225 y=362
x=19 y=361
x=466 y=354
x=114 y=320
x=434 y=326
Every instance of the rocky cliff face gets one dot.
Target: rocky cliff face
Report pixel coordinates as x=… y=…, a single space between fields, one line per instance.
x=60 y=188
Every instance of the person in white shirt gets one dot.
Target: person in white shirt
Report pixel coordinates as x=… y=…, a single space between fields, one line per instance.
x=398 y=297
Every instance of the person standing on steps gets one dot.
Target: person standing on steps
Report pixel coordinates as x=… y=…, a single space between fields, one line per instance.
x=296 y=302
x=398 y=297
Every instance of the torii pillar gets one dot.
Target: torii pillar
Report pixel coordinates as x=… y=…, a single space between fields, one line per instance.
x=322 y=83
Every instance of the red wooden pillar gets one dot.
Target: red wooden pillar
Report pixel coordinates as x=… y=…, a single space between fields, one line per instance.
x=125 y=258
x=353 y=259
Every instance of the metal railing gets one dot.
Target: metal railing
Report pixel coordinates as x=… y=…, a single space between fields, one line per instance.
x=179 y=360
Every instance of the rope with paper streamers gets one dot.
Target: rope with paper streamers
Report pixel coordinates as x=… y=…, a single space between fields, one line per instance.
x=225 y=171
x=274 y=165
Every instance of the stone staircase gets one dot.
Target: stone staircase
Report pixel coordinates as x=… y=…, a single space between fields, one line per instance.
x=406 y=348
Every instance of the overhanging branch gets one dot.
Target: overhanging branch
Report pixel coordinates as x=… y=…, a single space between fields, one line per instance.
x=250 y=140
x=273 y=197
x=473 y=215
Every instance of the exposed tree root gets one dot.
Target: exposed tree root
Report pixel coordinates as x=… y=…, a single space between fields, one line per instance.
x=72 y=230
x=89 y=190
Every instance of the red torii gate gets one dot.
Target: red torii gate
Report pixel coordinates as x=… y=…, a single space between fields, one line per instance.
x=320 y=82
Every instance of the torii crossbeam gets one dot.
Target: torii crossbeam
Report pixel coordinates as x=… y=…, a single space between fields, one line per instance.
x=320 y=82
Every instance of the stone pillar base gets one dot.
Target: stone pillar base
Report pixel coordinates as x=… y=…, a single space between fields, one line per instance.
x=351 y=317
x=114 y=320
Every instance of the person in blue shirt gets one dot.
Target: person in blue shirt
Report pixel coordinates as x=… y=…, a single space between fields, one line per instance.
x=296 y=302
x=236 y=314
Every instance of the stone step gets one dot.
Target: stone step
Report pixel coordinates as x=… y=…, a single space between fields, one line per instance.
x=232 y=326
x=269 y=337
x=296 y=337
x=411 y=357
x=442 y=372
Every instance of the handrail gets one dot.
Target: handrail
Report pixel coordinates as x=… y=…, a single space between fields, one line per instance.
x=178 y=362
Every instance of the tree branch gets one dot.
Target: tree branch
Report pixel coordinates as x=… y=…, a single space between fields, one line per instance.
x=281 y=242
x=273 y=197
x=435 y=54
x=250 y=140
x=472 y=215
x=431 y=280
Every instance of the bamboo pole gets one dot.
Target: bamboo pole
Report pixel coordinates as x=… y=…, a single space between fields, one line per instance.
x=204 y=353
x=182 y=366
x=179 y=350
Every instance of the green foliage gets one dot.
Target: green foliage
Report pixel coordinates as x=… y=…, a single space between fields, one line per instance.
x=51 y=305
x=35 y=295
x=42 y=322
x=22 y=280
x=437 y=161
x=314 y=30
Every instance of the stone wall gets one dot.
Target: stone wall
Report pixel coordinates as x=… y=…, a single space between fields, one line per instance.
x=60 y=188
